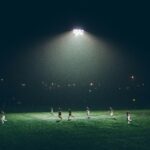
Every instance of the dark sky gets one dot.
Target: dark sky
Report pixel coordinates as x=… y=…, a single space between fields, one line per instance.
x=24 y=24
x=124 y=23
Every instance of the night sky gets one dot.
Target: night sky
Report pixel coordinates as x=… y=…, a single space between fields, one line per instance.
x=26 y=79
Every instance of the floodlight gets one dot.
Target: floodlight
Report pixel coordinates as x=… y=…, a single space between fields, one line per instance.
x=78 y=32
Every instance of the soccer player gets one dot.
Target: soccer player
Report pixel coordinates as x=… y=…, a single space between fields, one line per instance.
x=3 y=118
x=59 y=113
x=111 y=111
x=129 y=117
x=88 y=112
x=52 y=111
x=69 y=114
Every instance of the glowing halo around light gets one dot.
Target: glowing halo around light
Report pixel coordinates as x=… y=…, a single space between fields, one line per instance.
x=78 y=32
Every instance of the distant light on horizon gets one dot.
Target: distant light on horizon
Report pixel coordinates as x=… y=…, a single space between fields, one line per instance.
x=132 y=77
x=2 y=80
x=23 y=84
x=91 y=84
x=133 y=99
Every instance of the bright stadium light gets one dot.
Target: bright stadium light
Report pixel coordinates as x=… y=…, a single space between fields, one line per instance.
x=78 y=32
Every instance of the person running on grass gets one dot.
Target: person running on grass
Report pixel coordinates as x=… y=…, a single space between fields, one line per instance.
x=111 y=111
x=128 y=117
x=3 y=118
x=69 y=114
x=88 y=112
x=59 y=113
x=52 y=111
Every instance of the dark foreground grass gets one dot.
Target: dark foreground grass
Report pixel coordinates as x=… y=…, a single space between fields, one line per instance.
x=42 y=131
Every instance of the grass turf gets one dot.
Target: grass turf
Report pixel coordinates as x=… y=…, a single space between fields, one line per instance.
x=42 y=131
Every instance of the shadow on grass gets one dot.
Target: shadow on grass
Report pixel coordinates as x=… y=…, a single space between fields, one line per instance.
x=134 y=125
x=58 y=121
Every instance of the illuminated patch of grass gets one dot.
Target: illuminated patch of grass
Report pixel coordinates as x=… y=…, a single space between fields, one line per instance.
x=42 y=131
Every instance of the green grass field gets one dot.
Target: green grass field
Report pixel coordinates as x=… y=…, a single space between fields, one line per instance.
x=42 y=131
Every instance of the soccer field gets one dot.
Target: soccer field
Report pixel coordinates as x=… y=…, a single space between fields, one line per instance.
x=43 y=131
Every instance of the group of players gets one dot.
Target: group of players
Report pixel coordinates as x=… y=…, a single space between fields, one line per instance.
x=70 y=116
